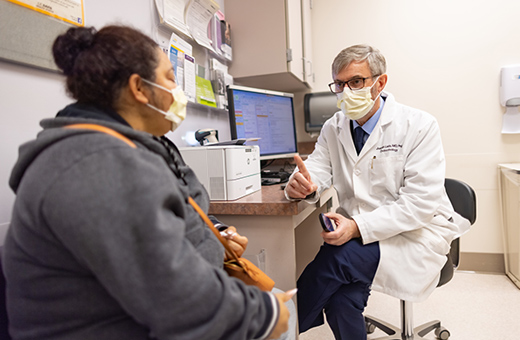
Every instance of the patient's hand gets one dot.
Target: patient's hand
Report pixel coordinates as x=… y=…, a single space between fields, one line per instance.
x=282 y=325
x=237 y=242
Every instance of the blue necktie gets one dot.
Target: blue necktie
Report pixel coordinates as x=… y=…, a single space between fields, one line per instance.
x=359 y=138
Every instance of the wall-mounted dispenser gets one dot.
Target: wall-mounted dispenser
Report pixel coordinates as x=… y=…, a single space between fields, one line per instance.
x=510 y=98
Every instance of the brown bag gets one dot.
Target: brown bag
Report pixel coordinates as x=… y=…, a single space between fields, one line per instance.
x=238 y=267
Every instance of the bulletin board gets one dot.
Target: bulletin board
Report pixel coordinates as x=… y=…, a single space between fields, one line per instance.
x=26 y=36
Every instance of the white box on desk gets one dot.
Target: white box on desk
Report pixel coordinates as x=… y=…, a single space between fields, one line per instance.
x=228 y=172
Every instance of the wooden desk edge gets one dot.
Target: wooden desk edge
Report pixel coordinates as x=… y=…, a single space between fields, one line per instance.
x=269 y=200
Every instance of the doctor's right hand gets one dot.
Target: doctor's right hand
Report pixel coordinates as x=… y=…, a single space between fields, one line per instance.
x=300 y=185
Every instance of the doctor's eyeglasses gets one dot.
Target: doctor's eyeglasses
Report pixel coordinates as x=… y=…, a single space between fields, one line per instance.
x=353 y=84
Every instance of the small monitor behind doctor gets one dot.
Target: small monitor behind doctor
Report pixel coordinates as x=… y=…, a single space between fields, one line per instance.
x=264 y=114
x=318 y=107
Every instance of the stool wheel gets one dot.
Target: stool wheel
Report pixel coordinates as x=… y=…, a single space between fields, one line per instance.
x=442 y=333
x=370 y=327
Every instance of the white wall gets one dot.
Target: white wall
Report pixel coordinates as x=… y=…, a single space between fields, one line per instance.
x=28 y=95
x=444 y=57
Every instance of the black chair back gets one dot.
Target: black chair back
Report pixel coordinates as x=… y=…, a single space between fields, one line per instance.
x=462 y=198
x=464 y=202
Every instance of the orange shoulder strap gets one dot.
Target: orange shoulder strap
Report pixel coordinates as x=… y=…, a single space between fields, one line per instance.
x=206 y=219
x=103 y=129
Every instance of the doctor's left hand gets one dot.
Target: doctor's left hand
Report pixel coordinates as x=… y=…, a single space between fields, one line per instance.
x=237 y=242
x=346 y=229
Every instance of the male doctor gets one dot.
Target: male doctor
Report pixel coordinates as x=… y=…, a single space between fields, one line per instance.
x=386 y=162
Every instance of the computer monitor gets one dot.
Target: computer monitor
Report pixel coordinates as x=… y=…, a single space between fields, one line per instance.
x=263 y=114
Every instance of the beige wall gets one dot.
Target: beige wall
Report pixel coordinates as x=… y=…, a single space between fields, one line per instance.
x=444 y=57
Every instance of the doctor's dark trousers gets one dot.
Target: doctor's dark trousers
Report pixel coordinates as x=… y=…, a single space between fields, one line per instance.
x=338 y=282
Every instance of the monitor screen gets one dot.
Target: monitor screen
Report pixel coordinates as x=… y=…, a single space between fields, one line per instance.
x=263 y=114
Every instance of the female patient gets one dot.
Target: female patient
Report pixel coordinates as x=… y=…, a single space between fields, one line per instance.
x=103 y=243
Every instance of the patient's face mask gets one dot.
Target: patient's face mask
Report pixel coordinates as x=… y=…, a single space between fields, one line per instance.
x=355 y=104
x=177 y=111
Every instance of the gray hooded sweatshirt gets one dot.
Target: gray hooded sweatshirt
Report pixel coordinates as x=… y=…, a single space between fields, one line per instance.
x=104 y=246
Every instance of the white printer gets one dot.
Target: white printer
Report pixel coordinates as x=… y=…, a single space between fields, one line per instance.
x=228 y=172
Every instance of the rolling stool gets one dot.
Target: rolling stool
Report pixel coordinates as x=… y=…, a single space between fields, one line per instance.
x=463 y=199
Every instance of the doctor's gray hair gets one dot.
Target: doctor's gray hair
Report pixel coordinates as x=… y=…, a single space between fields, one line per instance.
x=357 y=53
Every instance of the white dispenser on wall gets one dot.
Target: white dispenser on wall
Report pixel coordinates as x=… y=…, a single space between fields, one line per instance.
x=510 y=98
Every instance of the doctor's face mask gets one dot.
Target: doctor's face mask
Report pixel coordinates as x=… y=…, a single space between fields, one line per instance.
x=355 y=104
x=177 y=111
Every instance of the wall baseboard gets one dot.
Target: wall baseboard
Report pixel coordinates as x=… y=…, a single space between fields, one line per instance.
x=482 y=262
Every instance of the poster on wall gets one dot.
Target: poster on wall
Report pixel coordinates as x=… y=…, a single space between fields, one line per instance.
x=171 y=13
x=189 y=17
x=71 y=11
x=180 y=54
x=198 y=16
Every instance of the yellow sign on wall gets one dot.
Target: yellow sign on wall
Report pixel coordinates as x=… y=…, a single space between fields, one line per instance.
x=70 y=11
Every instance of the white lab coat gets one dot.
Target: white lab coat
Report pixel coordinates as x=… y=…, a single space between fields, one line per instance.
x=394 y=190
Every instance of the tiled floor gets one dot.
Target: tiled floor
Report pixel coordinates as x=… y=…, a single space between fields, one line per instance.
x=472 y=306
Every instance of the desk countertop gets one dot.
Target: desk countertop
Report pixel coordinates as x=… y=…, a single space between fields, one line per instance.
x=269 y=200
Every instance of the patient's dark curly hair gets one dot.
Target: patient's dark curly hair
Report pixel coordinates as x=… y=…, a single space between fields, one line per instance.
x=98 y=64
